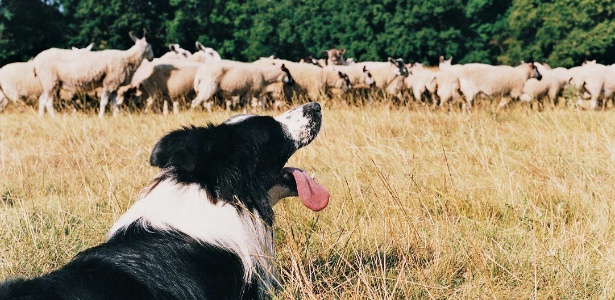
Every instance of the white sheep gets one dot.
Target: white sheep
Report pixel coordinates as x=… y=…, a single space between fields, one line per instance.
x=18 y=82
x=446 y=84
x=176 y=52
x=335 y=57
x=595 y=79
x=359 y=76
x=162 y=79
x=231 y=78
x=506 y=81
x=204 y=54
x=311 y=80
x=420 y=80
x=389 y=76
x=549 y=87
x=108 y=69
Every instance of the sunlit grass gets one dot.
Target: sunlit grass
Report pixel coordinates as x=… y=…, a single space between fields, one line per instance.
x=424 y=204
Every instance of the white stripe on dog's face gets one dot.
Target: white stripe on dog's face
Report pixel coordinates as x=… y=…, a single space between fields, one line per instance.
x=302 y=123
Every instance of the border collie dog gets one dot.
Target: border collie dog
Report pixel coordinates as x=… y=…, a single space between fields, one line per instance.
x=203 y=228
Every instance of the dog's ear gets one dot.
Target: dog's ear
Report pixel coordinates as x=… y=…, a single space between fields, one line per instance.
x=179 y=149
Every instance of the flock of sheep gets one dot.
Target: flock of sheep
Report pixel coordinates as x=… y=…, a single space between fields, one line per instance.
x=115 y=75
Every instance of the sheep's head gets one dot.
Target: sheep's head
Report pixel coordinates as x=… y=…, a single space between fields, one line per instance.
x=336 y=56
x=346 y=84
x=141 y=43
x=401 y=67
x=369 y=79
x=206 y=54
x=287 y=79
x=179 y=51
x=534 y=73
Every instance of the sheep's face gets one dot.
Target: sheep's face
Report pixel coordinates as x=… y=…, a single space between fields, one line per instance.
x=336 y=56
x=179 y=51
x=148 y=53
x=286 y=77
x=368 y=78
x=344 y=82
x=534 y=73
x=401 y=68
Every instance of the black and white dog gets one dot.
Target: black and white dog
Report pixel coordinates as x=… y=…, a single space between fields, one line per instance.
x=203 y=228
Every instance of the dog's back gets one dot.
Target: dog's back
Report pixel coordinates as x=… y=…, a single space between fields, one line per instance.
x=140 y=263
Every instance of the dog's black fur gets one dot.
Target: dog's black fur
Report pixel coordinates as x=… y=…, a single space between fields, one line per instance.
x=235 y=162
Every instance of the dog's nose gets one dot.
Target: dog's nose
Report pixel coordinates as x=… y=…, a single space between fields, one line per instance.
x=314 y=106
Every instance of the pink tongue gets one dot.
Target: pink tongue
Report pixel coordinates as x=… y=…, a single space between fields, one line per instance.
x=312 y=194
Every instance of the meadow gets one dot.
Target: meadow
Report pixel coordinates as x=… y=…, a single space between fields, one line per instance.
x=425 y=204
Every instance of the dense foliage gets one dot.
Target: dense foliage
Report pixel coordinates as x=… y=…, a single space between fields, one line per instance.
x=559 y=32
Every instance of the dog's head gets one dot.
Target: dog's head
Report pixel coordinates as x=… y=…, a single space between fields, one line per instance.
x=241 y=161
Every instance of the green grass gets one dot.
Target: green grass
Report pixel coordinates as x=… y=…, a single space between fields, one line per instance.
x=424 y=204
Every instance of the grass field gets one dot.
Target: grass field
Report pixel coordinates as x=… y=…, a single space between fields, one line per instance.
x=424 y=204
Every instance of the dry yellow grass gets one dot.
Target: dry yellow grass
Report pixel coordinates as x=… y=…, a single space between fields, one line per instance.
x=424 y=204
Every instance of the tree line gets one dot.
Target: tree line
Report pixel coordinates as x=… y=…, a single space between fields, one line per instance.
x=558 y=32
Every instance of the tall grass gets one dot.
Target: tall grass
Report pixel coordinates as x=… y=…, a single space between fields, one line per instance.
x=424 y=204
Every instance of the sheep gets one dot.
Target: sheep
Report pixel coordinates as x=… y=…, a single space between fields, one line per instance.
x=550 y=86
x=445 y=63
x=18 y=82
x=176 y=52
x=204 y=54
x=87 y=70
x=491 y=80
x=359 y=77
x=233 y=78
x=420 y=81
x=335 y=56
x=389 y=76
x=168 y=79
x=446 y=84
x=311 y=80
x=595 y=79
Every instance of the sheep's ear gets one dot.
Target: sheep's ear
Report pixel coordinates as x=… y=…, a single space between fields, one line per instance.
x=89 y=47
x=391 y=60
x=441 y=59
x=172 y=47
x=145 y=34
x=325 y=52
x=364 y=69
x=284 y=68
x=133 y=37
x=74 y=48
x=343 y=51
x=341 y=74
x=199 y=46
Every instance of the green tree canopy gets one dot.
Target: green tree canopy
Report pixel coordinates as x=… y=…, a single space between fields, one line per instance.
x=559 y=32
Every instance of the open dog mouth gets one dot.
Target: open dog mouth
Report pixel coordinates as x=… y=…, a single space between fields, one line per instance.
x=297 y=182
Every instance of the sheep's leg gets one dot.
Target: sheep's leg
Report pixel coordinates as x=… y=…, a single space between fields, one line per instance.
x=4 y=101
x=175 y=107
x=165 y=108
x=114 y=105
x=148 y=104
x=104 y=99
x=503 y=102
x=49 y=105
x=206 y=90
x=207 y=105
x=42 y=101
